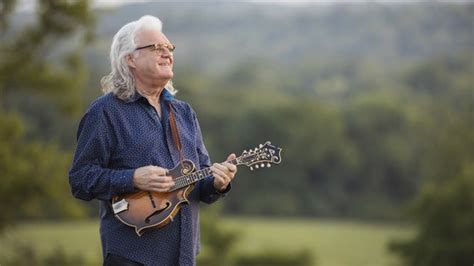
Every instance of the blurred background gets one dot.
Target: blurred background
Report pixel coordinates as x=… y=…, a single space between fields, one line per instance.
x=371 y=101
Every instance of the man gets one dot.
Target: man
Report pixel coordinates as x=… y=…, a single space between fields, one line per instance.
x=125 y=145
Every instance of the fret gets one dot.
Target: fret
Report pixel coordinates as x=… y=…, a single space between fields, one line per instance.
x=189 y=179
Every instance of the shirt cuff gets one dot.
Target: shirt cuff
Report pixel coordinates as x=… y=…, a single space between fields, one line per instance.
x=122 y=182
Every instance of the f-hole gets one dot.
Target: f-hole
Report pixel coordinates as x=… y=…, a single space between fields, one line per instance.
x=148 y=218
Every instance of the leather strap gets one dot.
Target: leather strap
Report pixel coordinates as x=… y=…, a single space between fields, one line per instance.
x=175 y=132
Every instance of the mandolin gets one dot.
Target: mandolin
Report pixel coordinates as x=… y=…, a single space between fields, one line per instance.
x=145 y=210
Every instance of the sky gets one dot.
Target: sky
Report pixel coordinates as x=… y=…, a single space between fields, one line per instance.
x=29 y=5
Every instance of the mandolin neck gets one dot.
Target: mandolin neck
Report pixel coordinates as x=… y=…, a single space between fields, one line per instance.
x=186 y=180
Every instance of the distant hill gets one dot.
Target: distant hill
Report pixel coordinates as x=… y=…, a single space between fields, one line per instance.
x=215 y=36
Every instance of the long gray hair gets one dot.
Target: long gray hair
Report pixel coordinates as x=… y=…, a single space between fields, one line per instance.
x=120 y=80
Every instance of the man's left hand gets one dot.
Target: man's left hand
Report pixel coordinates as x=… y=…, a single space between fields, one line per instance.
x=223 y=173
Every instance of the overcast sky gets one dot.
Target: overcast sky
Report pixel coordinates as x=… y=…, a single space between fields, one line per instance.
x=28 y=5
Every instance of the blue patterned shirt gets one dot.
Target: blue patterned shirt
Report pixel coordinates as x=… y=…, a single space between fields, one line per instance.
x=114 y=138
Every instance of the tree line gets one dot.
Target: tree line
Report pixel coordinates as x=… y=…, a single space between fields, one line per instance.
x=363 y=153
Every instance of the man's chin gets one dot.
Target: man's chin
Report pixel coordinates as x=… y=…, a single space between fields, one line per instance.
x=167 y=77
x=168 y=74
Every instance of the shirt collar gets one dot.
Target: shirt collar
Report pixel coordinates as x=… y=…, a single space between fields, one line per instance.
x=135 y=97
x=165 y=95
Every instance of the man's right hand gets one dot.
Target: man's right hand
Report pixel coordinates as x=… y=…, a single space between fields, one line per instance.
x=152 y=178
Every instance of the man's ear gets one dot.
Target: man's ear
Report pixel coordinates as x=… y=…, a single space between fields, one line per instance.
x=131 y=61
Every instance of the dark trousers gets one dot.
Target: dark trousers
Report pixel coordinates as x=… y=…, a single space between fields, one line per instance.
x=115 y=260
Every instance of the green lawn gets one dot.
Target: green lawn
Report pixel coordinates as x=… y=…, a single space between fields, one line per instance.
x=334 y=242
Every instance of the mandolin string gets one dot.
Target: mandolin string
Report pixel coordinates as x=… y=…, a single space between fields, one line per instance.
x=186 y=180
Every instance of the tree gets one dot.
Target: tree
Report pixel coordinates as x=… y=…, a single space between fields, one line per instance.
x=444 y=210
x=36 y=65
x=445 y=221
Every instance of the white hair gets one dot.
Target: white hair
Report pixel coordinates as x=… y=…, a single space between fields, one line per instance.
x=120 y=81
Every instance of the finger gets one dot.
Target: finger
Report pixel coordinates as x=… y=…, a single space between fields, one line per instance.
x=219 y=169
x=163 y=185
x=230 y=167
x=158 y=187
x=162 y=190
x=219 y=180
x=161 y=178
x=224 y=180
x=159 y=170
x=231 y=157
x=219 y=177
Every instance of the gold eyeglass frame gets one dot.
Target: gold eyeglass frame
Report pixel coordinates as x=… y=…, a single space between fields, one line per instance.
x=159 y=47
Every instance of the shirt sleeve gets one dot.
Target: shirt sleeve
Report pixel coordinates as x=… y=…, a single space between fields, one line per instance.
x=207 y=192
x=89 y=176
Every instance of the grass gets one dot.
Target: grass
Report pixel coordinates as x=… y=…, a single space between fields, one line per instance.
x=74 y=237
x=333 y=242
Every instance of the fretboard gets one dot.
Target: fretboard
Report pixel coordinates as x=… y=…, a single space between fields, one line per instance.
x=186 y=180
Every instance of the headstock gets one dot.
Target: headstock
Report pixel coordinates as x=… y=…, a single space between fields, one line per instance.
x=261 y=156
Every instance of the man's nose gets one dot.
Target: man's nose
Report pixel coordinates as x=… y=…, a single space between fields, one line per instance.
x=167 y=53
x=168 y=56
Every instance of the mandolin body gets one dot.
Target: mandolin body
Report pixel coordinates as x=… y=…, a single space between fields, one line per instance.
x=145 y=210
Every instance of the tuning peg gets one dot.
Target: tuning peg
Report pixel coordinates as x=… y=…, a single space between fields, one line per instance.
x=262 y=165
x=245 y=151
x=251 y=168
x=256 y=149
x=260 y=145
x=269 y=165
x=256 y=166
